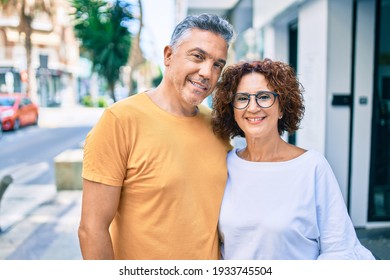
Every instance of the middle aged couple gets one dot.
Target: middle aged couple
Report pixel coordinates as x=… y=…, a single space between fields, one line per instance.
x=161 y=180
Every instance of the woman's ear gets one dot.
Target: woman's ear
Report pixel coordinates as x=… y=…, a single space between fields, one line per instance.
x=280 y=114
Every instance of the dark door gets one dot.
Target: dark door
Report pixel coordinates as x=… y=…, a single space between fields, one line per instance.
x=379 y=194
x=293 y=58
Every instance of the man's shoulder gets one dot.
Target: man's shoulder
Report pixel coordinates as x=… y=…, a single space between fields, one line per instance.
x=129 y=101
x=205 y=111
x=129 y=105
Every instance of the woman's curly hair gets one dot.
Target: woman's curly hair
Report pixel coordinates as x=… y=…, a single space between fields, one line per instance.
x=281 y=79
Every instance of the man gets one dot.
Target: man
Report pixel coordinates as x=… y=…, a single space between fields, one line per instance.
x=154 y=172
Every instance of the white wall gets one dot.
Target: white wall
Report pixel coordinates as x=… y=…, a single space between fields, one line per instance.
x=274 y=19
x=339 y=82
x=159 y=23
x=281 y=42
x=312 y=63
x=361 y=136
x=265 y=11
x=269 y=41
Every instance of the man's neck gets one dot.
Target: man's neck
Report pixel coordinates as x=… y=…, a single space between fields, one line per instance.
x=163 y=99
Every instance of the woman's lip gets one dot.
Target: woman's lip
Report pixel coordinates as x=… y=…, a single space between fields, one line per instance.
x=255 y=120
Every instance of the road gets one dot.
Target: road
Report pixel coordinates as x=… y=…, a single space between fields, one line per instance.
x=27 y=154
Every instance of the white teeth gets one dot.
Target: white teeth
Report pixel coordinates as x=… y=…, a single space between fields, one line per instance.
x=198 y=86
x=255 y=119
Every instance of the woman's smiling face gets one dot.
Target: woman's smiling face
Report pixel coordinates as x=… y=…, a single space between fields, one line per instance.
x=253 y=120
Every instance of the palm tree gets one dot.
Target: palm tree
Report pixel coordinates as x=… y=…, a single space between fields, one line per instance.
x=27 y=11
x=102 y=28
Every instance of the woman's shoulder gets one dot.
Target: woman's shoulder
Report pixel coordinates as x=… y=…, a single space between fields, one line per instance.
x=317 y=160
x=300 y=155
x=292 y=152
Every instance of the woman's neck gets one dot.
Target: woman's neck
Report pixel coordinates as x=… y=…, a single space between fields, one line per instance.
x=264 y=150
x=273 y=149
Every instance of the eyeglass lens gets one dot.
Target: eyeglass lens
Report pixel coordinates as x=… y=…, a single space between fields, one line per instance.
x=264 y=99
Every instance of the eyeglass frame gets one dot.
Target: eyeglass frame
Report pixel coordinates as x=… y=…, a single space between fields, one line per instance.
x=255 y=95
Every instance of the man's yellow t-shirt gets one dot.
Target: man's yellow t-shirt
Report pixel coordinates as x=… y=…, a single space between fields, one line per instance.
x=172 y=171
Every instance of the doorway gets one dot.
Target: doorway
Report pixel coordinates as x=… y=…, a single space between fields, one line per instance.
x=379 y=191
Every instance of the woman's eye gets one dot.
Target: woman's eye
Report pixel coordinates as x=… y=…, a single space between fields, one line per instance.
x=242 y=98
x=263 y=97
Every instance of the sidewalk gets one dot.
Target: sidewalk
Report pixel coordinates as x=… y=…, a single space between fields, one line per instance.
x=43 y=229
x=377 y=240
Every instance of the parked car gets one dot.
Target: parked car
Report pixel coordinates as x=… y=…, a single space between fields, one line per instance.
x=17 y=110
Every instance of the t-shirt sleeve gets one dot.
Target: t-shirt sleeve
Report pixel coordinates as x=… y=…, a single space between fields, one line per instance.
x=338 y=238
x=106 y=151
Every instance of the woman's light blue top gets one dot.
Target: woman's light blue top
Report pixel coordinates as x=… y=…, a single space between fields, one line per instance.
x=286 y=210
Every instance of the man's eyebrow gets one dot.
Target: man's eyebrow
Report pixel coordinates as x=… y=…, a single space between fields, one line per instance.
x=220 y=60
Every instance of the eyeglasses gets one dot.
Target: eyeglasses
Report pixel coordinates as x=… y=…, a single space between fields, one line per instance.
x=264 y=99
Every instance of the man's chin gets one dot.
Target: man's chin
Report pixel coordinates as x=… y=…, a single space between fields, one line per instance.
x=196 y=100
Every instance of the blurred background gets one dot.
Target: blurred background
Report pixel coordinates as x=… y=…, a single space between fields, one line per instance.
x=73 y=58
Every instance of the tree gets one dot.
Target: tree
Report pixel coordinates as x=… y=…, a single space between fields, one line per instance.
x=27 y=10
x=102 y=28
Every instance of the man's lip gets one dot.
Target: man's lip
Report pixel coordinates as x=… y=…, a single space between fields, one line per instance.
x=199 y=85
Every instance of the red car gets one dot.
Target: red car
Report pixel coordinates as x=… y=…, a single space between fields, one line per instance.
x=17 y=110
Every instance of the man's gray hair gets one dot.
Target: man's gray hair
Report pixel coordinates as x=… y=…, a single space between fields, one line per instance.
x=207 y=22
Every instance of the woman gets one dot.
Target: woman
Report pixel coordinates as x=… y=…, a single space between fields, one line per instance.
x=280 y=201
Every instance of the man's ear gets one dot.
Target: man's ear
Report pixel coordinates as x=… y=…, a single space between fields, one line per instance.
x=167 y=55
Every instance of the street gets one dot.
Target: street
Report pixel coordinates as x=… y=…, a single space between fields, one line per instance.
x=27 y=154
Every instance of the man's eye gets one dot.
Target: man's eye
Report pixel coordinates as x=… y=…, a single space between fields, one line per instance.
x=198 y=56
x=219 y=65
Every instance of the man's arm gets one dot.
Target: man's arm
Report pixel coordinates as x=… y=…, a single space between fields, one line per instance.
x=99 y=206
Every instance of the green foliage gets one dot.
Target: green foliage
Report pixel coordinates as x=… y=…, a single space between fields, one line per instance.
x=105 y=39
x=87 y=101
x=102 y=102
x=157 y=80
x=134 y=86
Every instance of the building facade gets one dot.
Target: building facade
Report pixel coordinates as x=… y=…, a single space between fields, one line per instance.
x=54 y=55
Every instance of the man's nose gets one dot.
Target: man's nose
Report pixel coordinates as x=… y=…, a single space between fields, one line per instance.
x=205 y=70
